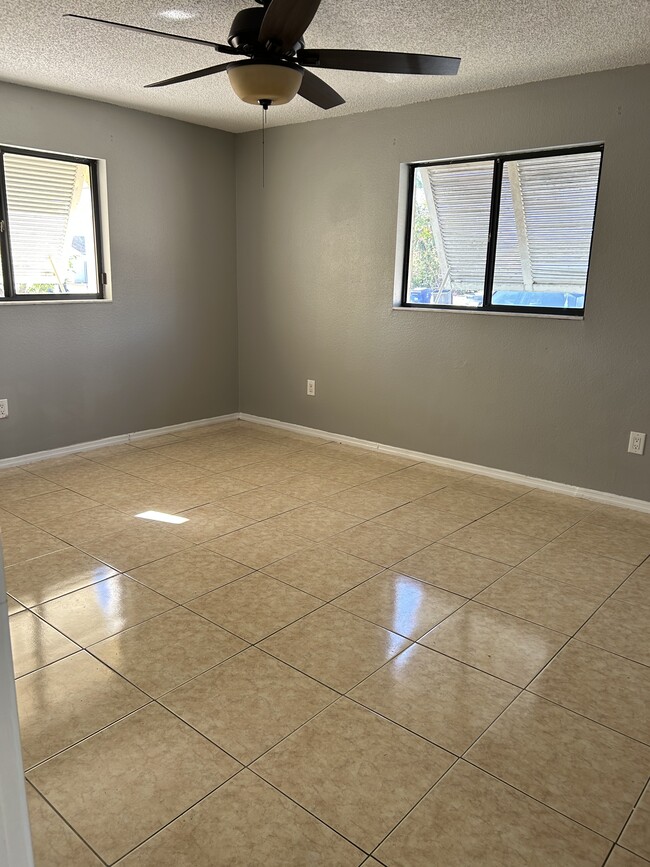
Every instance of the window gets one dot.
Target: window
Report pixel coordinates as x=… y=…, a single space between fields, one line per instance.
x=507 y=233
x=50 y=247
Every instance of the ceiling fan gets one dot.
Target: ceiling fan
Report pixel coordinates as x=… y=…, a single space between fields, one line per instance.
x=271 y=37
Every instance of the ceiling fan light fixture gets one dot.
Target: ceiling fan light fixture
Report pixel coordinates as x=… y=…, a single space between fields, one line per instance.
x=256 y=82
x=271 y=35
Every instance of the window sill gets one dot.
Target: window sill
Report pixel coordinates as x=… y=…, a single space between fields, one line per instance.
x=50 y=303
x=475 y=311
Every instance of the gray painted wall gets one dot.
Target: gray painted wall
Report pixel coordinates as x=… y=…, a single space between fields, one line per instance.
x=549 y=398
x=165 y=350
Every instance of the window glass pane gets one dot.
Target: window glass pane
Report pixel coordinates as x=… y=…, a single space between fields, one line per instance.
x=51 y=228
x=2 y=282
x=449 y=234
x=546 y=221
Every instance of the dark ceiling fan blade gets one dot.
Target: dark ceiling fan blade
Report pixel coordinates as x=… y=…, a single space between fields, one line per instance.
x=319 y=92
x=189 y=76
x=225 y=49
x=378 y=61
x=285 y=21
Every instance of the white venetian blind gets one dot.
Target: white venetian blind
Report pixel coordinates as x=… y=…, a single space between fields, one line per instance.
x=41 y=195
x=461 y=195
x=546 y=219
x=559 y=202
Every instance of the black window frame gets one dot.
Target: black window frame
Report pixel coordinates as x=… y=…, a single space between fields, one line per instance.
x=495 y=205
x=5 y=235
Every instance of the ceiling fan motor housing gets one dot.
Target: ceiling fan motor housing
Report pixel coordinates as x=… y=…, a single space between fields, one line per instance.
x=245 y=29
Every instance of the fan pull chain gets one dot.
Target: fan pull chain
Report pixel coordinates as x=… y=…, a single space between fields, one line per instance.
x=265 y=103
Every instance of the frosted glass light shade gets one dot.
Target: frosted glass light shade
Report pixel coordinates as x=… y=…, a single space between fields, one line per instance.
x=253 y=81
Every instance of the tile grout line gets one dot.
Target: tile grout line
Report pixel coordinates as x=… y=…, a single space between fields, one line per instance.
x=311 y=677
x=462 y=758
x=441 y=539
x=299 y=618
x=65 y=821
x=245 y=767
x=332 y=602
x=205 y=472
x=90 y=735
x=533 y=798
x=320 y=442
x=318 y=608
x=645 y=789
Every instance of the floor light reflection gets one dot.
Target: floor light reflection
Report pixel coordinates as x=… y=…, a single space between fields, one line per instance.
x=163 y=517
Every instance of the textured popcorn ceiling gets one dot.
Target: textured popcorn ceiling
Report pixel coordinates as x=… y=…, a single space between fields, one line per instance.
x=501 y=42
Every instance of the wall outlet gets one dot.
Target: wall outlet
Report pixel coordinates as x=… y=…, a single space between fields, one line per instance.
x=311 y=387
x=4 y=408
x=636 y=445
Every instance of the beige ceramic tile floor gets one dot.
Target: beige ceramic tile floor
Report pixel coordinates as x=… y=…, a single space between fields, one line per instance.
x=339 y=657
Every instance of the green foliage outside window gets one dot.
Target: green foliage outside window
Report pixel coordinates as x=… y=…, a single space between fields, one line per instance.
x=425 y=267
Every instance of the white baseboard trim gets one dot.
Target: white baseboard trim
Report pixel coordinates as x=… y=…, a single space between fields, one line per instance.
x=185 y=425
x=504 y=475
x=19 y=460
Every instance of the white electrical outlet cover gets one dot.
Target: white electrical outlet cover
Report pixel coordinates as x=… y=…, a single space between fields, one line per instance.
x=4 y=408
x=636 y=445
